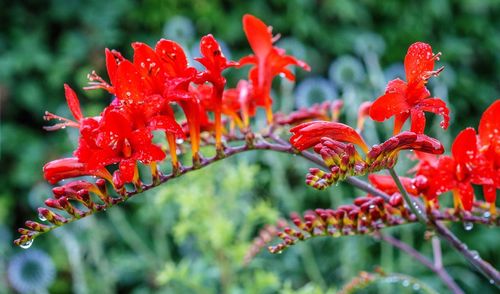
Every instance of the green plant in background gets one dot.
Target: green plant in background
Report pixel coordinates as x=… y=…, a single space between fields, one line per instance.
x=91 y=31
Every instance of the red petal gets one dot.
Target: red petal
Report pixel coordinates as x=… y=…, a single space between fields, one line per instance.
x=466 y=195
x=309 y=134
x=111 y=66
x=168 y=124
x=464 y=147
x=418 y=60
x=145 y=60
x=127 y=170
x=131 y=87
x=417 y=121
x=116 y=122
x=490 y=193
x=73 y=103
x=399 y=121
x=437 y=106
x=172 y=56
x=489 y=126
x=258 y=35
x=388 y=105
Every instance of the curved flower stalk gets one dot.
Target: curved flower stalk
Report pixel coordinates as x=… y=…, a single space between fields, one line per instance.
x=367 y=215
x=473 y=160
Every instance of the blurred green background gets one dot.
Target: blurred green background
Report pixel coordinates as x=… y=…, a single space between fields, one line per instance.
x=185 y=238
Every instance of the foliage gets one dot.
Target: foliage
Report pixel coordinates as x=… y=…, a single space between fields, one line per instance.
x=44 y=45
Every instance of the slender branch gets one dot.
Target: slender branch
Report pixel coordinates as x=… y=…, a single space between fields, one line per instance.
x=436 y=250
x=412 y=204
x=472 y=256
x=440 y=271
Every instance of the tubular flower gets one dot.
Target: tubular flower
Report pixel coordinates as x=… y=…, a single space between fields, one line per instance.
x=411 y=98
x=315 y=112
x=215 y=62
x=309 y=134
x=489 y=150
x=268 y=60
x=334 y=142
x=115 y=140
x=241 y=99
x=71 y=167
x=474 y=160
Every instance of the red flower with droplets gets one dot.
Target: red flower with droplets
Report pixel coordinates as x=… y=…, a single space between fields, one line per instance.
x=215 y=62
x=473 y=161
x=411 y=98
x=268 y=60
x=115 y=140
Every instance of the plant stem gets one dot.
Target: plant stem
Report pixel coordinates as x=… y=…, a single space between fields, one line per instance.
x=436 y=250
x=412 y=204
x=440 y=271
x=472 y=256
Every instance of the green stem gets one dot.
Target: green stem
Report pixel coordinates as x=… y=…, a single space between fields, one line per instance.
x=412 y=204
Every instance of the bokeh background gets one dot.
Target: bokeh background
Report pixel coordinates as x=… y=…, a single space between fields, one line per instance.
x=190 y=236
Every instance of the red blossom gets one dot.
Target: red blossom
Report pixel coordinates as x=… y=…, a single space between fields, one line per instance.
x=268 y=60
x=411 y=98
x=64 y=168
x=309 y=134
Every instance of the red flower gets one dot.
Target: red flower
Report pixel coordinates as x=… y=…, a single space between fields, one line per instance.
x=488 y=155
x=411 y=98
x=71 y=167
x=215 y=62
x=308 y=134
x=241 y=99
x=114 y=140
x=269 y=61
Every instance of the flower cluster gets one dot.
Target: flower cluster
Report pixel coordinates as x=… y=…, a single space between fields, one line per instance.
x=146 y=90
x=474 y=159
x=335 y=143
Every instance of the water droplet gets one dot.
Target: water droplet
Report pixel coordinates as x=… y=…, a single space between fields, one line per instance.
x=372 y=206
x=179 y=141
x=405 y=283
x=487 y=214
x=468 y=226
x=416 y=287
x=41 y=217
x=27 y=244
x=492 y=281
x=475 y=254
